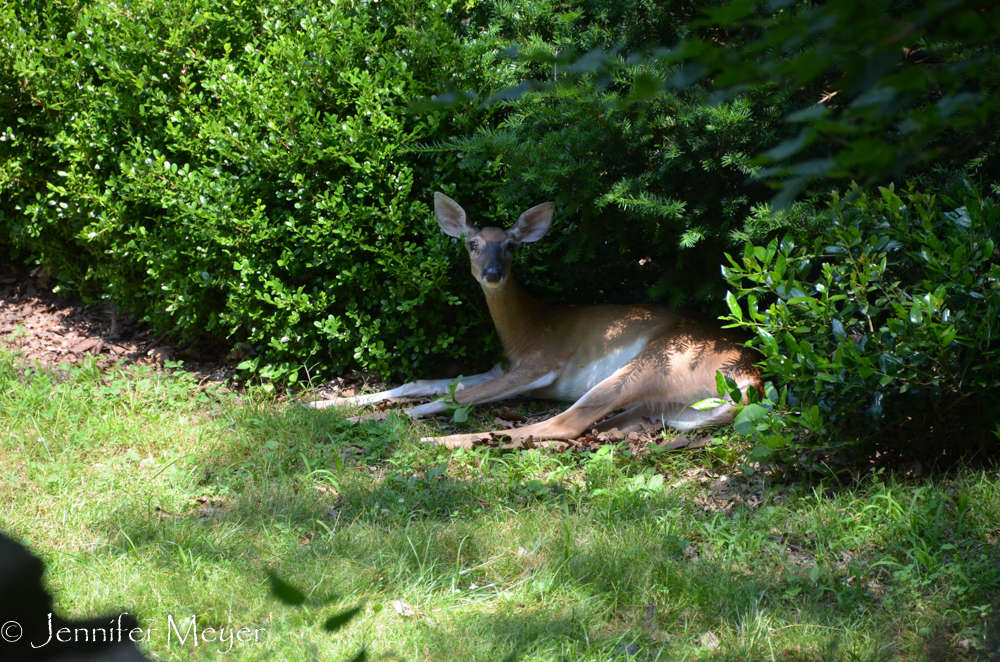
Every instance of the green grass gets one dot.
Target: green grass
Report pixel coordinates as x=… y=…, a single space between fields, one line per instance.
x=144 y=493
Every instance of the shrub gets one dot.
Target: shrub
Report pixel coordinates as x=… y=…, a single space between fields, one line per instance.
x=884 y=327
x=246 y=171
x=654 y=190
x=253 y=171
x=652 y=185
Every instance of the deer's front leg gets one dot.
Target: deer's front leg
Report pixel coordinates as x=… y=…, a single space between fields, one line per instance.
x=622 y=389
x=419 y=389
x=518 y=381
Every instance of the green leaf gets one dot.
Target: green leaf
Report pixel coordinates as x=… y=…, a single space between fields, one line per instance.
x=720 y=384
x=769 y=341
x=734 y=306
x=708 y=403
x=760 y=453
x=461 y=414
x=339 y=463
x=948 y=335
x=745 y=422
x=734 y=390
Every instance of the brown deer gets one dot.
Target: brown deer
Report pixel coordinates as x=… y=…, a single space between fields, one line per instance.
x=648 y=360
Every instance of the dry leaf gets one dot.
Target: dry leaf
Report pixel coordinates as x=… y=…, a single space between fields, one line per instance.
x=402 y=608
x=512 y=415
x=93 y=345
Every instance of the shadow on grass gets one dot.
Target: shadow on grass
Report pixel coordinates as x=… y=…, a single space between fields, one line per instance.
x=365 y=511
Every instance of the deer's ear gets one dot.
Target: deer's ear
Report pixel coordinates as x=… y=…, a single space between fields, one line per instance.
x=451 y=217
x=533 y=224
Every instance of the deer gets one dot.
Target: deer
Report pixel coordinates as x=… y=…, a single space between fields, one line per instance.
x=647 y=360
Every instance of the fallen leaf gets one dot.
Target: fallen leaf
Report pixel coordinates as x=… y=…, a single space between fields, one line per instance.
x=93 y=345
x=512 y=415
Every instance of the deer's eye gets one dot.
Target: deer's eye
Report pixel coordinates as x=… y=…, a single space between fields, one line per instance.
x=473 y=246
x=510 y=246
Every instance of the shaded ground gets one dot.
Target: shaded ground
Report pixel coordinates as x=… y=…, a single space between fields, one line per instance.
x=54 y=330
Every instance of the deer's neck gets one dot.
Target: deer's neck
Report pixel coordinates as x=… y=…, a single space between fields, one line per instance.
x=515 y=314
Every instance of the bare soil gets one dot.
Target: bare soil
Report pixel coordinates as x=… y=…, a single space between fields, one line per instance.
x=54 y=331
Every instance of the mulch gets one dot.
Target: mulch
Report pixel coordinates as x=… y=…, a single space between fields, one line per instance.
x=55 y=331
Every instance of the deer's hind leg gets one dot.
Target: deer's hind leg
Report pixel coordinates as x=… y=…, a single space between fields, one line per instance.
x=675 y=415
x=629 y=420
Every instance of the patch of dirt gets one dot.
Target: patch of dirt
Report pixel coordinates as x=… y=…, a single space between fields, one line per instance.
x=351 y=384
x=55 y=331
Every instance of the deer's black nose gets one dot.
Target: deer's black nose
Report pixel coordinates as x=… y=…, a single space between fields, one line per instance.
x=493 y=274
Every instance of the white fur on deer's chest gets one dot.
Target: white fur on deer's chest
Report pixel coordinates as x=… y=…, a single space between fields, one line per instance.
x=579 y=376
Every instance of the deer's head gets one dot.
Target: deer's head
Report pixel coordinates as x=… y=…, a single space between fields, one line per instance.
x=491 y=250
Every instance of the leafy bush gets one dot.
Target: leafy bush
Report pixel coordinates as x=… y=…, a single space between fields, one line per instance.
x=870 y=89
x=654 y=190
x=883 y=328
x=652 y=186
x=245 y=171
x=253 y=171
x=256 y=171
x=658 y=147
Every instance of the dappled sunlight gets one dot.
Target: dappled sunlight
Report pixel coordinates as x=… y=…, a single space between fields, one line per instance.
x=625 y=321
x=182 y=501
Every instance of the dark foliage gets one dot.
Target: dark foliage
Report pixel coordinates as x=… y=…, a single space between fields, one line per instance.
x=883 y=327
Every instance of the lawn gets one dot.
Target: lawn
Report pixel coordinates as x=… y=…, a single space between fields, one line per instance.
x=148 y=493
